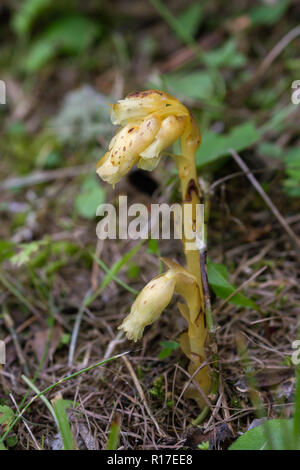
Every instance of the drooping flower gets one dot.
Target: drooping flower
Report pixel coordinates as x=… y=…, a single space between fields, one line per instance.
x=156 y=296
x=149 y=305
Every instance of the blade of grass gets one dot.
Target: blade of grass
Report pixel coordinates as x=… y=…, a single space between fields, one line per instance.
x=76 y=328
x=18 y=294
x=60 y=406
x=111 y=277
x=112 y=273
x=44 y=399
x=51 y=387
x=120 y=263
x=114 y=434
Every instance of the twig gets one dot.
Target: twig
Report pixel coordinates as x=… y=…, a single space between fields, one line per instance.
x=265 y=197
x=21 y=328
x=119 y=338
x=113 y=343
x=76 y=328
x=191 y=380
x=44 y=176
x=276 y=51
x=268 y=60
x=142 y=395
x=10 y=326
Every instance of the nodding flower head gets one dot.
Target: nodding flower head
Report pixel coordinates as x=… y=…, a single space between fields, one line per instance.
x=149 y=305
x=150 y=122
x=156 y=296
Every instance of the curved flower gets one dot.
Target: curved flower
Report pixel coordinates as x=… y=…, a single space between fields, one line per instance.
x=139 y=104
x=151 y=121
x=149 y=305
x=157 y=294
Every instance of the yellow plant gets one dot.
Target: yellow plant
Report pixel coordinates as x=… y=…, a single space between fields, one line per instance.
x=150 y=122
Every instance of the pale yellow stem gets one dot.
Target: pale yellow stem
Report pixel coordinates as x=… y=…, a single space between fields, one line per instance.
x=193 y=343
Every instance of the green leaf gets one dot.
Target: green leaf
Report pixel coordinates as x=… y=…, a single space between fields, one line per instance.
x=190 y=19
x=268 y=14
x=133 y=271
x=280 y=431
x=40 y=53
x=204 y=445
x=292 y=169
x=12 y=441
x=225 y=56
x=73 y=34
x=269 y=149
x=215 y=146
x=26 y=14
x=195 y=85
x=7 y=250
x=27 y=250
x=153 y=247
x=70 y=35
x=217 y=278
x=168 y=347
x=6 y=416
x=91 y=195
x=60 y=405
x=52 y=160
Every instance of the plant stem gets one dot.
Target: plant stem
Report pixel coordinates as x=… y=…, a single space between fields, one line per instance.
x=195 y=252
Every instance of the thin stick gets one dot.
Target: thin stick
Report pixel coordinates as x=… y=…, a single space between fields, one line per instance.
x=269 y=59
x=10 y=326
x=45 y=176
x=76 y=328
x=113 y=343
x=276 y=51
x=265 y=197
x=142 y=395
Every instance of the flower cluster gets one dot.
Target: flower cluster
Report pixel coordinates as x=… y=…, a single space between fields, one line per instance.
x=150 y=122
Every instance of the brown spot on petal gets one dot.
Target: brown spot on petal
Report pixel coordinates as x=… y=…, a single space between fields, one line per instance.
x=142 y=94
x=130 y=130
